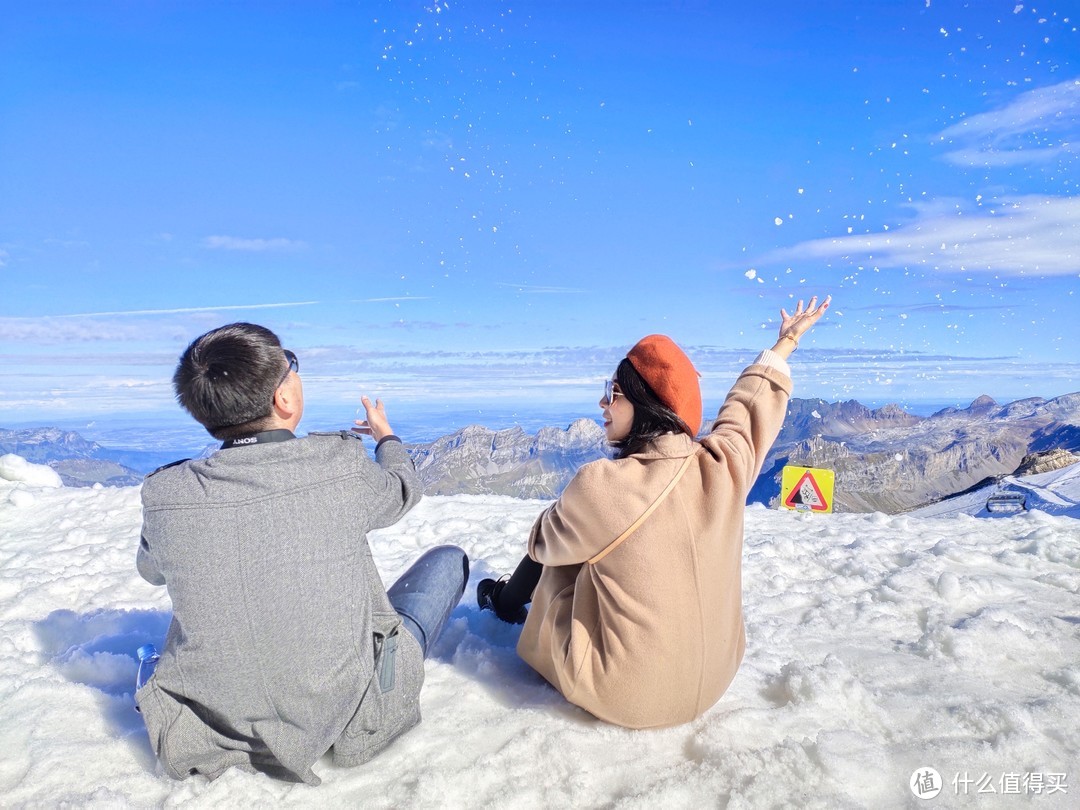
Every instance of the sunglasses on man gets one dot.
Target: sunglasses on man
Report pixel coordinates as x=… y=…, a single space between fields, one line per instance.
x=294 y=365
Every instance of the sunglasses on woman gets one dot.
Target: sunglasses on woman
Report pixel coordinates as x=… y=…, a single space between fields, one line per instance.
x=611 y=391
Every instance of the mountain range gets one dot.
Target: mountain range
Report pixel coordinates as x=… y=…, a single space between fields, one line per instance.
x=883 y=459
x=890 y=461
x=78 y=461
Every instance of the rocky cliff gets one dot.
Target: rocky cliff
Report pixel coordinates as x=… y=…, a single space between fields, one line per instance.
x=1046 y=461
x=477 y=460
x=895 y=467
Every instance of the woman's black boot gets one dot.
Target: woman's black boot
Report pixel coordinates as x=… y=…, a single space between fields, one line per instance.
x=487 y=597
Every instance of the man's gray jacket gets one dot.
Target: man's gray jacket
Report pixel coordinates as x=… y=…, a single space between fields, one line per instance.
x=283 y=643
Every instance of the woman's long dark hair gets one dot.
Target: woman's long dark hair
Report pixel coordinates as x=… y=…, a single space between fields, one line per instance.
x=652 y=418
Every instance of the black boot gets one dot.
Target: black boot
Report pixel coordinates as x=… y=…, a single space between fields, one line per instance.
x=487 y=597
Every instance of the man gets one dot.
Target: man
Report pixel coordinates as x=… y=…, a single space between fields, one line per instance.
x=283 y=642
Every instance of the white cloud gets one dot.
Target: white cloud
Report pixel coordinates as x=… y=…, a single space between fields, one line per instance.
x=1035 y=127
x=536 y=289
x=1024 y=235
x=12 y=326
x=90 y=385
x=1028 y=235
x=136 y=325
x=186 y=310
x=65 y=243
x=3 y=257
x=1004 y=158
x=390 y=299
x=252 y=245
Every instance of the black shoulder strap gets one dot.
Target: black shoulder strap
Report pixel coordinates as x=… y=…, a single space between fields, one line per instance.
x=340 y=434
x=266 y=437
x=166 y=466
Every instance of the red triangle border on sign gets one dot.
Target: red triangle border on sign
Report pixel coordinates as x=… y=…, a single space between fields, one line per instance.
x=824 y=507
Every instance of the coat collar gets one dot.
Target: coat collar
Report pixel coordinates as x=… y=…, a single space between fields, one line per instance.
x=670 y=445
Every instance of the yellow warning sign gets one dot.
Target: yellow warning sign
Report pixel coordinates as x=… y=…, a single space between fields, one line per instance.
x=807 y=489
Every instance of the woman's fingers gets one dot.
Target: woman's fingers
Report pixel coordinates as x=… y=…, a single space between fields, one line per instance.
x=804 y=316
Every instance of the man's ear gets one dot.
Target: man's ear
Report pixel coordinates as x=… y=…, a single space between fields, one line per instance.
x=286 y=402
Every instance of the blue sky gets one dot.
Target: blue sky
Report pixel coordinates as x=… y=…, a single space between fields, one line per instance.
x=464 y=204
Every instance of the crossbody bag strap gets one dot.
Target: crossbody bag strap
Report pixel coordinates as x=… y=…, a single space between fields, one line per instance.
x=645 y=515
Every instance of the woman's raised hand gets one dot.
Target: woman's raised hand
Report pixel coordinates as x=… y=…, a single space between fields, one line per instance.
x=799 y=322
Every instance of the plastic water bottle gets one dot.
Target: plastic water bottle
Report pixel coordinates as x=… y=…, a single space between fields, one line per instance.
x=148 y=658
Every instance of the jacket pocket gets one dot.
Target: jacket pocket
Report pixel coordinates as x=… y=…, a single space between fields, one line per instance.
x=161 y=716
x=390 y=704
x=386 y=660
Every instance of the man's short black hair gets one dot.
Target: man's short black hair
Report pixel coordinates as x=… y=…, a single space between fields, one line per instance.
x=226 y=379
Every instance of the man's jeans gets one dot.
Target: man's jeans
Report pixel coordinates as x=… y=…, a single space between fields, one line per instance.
x=427 y=593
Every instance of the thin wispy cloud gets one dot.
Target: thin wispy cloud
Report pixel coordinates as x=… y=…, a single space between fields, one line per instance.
x=1038 y=126
x=53 y=241
x=58 y=331
x=938 y=306
x=252 y=245
x=1027 y=236
x=390 y=299
x=96 y=327
x=173 y=311
x=419 y=326
x=129 y=384
x=538 y=289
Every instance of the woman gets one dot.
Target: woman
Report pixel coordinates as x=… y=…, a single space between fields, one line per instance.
x=634 y=573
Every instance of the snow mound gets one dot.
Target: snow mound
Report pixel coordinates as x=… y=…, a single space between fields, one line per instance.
x=877 y=646
x=18 y=470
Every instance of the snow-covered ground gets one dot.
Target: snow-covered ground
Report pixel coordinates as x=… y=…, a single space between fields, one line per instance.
x=879 y=647
x=1056 y=492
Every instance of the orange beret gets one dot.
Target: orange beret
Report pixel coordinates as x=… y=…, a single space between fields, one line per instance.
x=669 y=373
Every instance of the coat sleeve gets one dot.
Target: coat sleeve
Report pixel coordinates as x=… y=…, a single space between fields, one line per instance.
x=144 y=561
x=397 y=487
x=580 y=524
x=750 y=420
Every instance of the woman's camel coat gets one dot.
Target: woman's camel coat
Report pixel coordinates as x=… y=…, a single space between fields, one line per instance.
x=651 y=633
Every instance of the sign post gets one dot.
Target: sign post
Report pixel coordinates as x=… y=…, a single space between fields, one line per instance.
x=807 y=489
